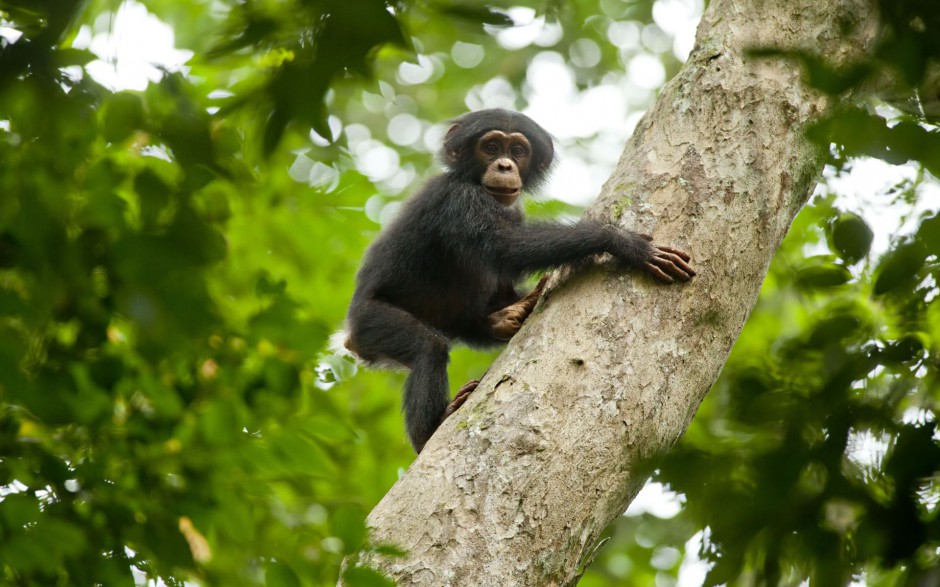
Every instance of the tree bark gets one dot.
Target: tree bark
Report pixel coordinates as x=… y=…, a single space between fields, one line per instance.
x=515 y=488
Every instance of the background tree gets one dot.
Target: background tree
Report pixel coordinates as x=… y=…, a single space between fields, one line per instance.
x=172 y=258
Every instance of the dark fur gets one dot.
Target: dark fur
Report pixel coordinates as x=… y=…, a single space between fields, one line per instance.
x=452 y=257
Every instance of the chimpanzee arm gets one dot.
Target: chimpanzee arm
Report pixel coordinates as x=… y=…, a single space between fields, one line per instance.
x=540 y=245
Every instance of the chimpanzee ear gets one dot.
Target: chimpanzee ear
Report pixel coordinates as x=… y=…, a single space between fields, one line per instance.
x=452 y=150
x=547 y=156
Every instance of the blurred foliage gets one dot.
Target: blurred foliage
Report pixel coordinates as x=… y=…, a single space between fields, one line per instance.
x=815 y=455
x=172 y=260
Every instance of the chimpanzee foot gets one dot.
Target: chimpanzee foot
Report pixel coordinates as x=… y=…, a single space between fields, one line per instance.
x=462 y=394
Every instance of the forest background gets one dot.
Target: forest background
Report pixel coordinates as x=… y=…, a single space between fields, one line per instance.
x=184 y=201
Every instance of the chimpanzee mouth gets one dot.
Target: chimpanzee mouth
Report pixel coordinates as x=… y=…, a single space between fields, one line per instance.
x=504 y=195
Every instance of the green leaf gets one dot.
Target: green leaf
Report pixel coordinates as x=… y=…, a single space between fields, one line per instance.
x=121 y=115
x=834 y=329
x=19 y=509
x=899 y=268
x=366 y=577
x=278 y=574
x=474 y=13
x=929 y=234
x=823 y=275
x=70 y=56
x=220 y=423
x=851 y=237
x=906 y=52
x=154 y=196
x=266 y=286
x=348 y=523
x=905 y=349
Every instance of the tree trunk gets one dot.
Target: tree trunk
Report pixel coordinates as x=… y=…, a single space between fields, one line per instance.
x=515 y=488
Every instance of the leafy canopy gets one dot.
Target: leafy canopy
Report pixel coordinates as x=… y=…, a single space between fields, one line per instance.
x=172 y=260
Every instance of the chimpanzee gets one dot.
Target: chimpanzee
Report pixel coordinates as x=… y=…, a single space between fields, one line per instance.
x=446 y=268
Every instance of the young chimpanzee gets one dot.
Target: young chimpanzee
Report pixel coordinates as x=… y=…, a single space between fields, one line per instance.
x=447 y=266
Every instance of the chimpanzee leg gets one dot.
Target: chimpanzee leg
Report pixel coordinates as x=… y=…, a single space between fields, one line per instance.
x=382 y=332
x=506 y=322
x=426 y=393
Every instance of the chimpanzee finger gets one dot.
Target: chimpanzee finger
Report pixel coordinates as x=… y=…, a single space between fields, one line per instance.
x=530 y=299
x=678 y=252
x=462 y=394
x=672 y=266
x=677 y=261
x=656 y=271
x=541 y=284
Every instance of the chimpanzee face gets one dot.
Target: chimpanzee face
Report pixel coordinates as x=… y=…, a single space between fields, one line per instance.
x=504 y=158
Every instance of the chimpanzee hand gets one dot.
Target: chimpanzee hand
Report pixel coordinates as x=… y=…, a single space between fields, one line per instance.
x=667 y=263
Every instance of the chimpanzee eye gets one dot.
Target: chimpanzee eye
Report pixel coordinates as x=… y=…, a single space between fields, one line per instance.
x=518 y=151
x=491 y=148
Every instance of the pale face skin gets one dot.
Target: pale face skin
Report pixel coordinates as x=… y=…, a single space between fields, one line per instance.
x=506 y=157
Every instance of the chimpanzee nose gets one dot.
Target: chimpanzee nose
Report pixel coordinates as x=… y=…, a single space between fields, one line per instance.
x=504 y=165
